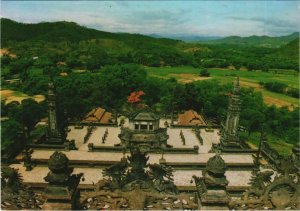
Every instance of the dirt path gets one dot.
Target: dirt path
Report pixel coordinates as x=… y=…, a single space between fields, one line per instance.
x=5 y=51
x=277 y=102
x=187 y=77
x=250 y=84
x=267 y=99
x=13 y=96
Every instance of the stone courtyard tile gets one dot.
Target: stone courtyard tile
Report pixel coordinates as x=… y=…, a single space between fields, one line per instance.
x=77 y=135
x=209 y=138
x=238 y=178
x=93 y=175
x=95 y=138
x=154 y=158
x=201 y=158
x=185 y=177
x=175 y=140
x=80 y=155
x=112 y=137
x=242 y=158
x=37 y=174
x=235 y=178
x=191 y=139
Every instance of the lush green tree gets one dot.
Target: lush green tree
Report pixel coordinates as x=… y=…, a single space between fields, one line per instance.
x=31 y=112
x=12 y=139
x=275 y=86
x=21 y=66
x=252 y=119
x=204 y=73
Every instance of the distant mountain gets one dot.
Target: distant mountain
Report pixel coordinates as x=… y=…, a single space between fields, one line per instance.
x=68 y=31
x=55 y=31
x=68 y=41
x=187 y=38
x=290 y=50
x=261 y=41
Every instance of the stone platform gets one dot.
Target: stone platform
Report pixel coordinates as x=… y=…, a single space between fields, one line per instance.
x=182 y=178
x=184 y=165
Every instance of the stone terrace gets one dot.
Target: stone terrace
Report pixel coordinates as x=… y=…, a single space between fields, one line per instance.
x=182 y=176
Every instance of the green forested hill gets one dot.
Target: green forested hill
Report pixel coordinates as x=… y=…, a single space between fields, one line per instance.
x=82 y=47
x=68 y=31
x=57 y=31
x=262 y=41
x=289 y=50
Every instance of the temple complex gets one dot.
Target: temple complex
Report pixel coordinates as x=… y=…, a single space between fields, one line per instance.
x=143 y=161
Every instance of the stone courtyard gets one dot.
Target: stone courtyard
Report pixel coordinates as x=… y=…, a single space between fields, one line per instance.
x=184 y=165
x=167 y=165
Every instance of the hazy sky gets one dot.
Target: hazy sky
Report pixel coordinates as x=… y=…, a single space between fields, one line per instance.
x=218 y=18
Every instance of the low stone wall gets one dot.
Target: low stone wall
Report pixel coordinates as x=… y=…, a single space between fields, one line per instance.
x=239 y=151
x=76 y=163
x=46 y=146
x=236 y=191
x=191 y=126
x=202 y=165
x=93 y=148
x=93 y=124
x=175 y=165
x=271 y=155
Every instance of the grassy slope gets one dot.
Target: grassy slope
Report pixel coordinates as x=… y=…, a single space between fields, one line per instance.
x=253 y=78
x=227 y=76
x=281 y=146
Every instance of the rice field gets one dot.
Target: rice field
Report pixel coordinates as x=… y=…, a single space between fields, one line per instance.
x=186 y=74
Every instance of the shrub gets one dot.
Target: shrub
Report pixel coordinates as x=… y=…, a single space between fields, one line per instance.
x=204 y=73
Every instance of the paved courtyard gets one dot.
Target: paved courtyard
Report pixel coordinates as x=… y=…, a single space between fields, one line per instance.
x=93 y=175
x=174 y=137
x=154 y=158
x=182 y=177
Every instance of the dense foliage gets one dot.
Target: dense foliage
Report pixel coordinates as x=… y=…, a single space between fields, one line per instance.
x=112 y=68
x=21 y=120
x=83 y=48
x=281 y=88
x=78 y=93
x=262 y=41
x=204 y=73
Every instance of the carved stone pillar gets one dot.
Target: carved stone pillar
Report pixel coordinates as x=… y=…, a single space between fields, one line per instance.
x=211 y=187
x=62 y=191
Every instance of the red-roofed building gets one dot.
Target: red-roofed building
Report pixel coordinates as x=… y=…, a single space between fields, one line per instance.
x=99 y=115
x=190 y=118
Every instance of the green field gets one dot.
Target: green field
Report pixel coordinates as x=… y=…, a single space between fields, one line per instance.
x=248 y=79
x=280 y=146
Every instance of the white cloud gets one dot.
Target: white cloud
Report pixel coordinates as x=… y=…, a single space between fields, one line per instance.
x=166 y=18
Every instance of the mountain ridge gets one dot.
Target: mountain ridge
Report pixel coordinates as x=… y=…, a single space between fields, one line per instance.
x=254 y=40
x=71 y=42
x=71 y=31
